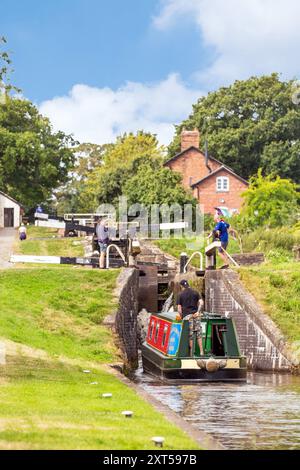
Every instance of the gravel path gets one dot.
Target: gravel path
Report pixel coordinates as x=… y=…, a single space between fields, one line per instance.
x=7 y=239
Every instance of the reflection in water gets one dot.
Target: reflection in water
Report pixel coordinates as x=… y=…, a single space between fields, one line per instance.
x=262 y=414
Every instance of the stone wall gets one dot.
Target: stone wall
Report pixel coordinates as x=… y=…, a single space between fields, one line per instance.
x=260 y=339
x=125 y=320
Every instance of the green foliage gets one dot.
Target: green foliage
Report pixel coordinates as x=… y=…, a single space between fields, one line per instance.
x=276 y=287
x=5 y=70
x=249 y=125
x=121 y=162
x=270 y=202
x=262 y=239
x=71 y=197
x=154 y=184
x=33 y=159
x=209 y=222
x=133 y=166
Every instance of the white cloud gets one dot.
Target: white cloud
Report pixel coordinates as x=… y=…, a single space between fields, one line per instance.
x=101 y=114
x=248 y=37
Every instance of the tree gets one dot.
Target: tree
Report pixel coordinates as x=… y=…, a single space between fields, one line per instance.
x=5 y=70
x=269 y=201
x=132 y=166
x=71 y=197
x=34 y=160
x=121 y=161
x=154 y=184
x=249 y=125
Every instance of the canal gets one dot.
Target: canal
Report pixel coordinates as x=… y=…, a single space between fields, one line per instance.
x=264 y=413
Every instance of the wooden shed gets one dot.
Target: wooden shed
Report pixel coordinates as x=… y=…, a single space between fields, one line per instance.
x=10 y=211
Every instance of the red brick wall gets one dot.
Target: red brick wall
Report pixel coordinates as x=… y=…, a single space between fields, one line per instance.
x=191 y=165
x=207 y=194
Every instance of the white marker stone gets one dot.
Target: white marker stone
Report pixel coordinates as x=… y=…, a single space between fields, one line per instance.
x=86 y=371
x=94 y=383
x=106 y=395
x=158 y=441
x=127 y=414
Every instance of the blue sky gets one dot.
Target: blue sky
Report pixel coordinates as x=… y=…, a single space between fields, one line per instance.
x=58 y=43
x=99 y=68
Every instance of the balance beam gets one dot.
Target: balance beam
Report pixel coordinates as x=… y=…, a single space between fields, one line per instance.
x=210 y=249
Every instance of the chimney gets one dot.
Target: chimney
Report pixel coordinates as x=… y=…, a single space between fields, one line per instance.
x=190 y=139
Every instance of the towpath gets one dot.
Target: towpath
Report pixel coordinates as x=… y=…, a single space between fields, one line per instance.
x=7 y=239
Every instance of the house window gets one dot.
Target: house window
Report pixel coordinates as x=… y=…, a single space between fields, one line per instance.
x=222 y=184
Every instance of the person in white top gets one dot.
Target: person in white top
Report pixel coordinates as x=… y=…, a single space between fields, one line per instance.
x=22 y=232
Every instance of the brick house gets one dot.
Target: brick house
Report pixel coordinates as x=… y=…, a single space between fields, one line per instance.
x=211 y=182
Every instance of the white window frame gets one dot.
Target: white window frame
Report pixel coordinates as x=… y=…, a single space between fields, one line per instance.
x=222 y=184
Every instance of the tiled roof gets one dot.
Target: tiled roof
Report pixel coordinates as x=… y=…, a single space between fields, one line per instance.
x=222 y=168
x=11 y=198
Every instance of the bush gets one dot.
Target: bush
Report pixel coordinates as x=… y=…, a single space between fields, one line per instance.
x=277 y=242
x=270 y=202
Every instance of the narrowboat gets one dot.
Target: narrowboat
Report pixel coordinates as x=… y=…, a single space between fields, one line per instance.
x=165 y=353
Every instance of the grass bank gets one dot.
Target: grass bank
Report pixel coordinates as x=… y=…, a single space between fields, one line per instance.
x=44 y=242
x=59 y=310
x=54 y=405
x=276 y=286
x=51 y=331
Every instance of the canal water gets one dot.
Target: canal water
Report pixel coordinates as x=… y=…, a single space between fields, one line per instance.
x=263 y=413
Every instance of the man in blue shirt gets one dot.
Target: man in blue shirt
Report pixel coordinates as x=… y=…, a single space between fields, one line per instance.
x=221 y=232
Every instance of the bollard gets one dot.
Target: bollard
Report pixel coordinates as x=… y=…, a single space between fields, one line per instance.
x=106 y=395
x=158 y=441
x=183 y=261
x=127 y=414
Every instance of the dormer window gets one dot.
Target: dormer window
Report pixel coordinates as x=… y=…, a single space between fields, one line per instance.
x=222 y=184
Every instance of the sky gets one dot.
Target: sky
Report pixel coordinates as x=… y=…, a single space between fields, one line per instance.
x=100 y=68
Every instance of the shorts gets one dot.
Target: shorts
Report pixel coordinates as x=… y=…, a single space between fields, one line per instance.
x=194 y=326
x=103 y=247
x=224 y=245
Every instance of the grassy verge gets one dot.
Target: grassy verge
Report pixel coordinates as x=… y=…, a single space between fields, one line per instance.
x=51 y=328
x=52 y=405
x=43 y=241
x=277 y=288
x=59 y=310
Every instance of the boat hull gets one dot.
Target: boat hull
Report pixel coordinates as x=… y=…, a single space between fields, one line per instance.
x=186 y=370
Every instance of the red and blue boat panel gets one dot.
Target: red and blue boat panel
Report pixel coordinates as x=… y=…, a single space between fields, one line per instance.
x=159 y=332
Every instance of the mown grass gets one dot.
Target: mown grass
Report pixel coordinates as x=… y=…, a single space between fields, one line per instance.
x=59 y=310
x=44 y=241
x=51 y=325
x=51 y=405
